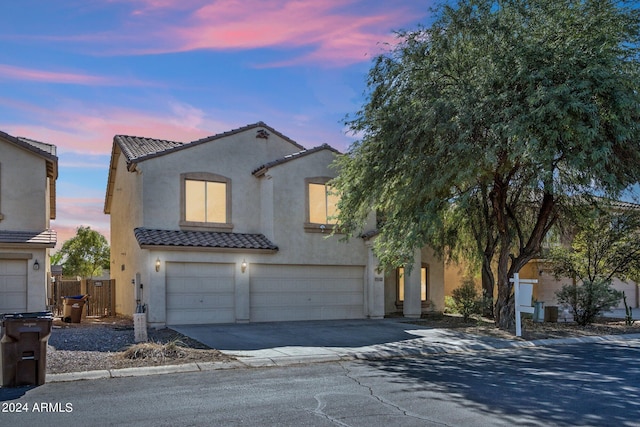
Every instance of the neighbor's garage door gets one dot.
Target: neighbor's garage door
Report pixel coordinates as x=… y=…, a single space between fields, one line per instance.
x=200 y=293
x=13 y=286
x=286 y=292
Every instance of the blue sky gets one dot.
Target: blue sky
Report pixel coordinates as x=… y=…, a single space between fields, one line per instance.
x=74 y=73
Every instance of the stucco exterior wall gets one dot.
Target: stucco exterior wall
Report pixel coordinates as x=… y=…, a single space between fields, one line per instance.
x=126 y=256
x=234 y=157
x=25 y=206
x=297 y=245
x=24 y=192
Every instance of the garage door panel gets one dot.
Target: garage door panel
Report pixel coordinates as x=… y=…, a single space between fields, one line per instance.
x=339 y=284
x=13 y=286
x=297 y=271
x=200 y=285
x=307 y=299
x=272 y=314
x=13 y=267
x=199 y=293
x=201 y=301
x=199 y=316
x=284 y=292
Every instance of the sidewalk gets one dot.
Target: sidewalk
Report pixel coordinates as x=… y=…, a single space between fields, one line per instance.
x=291 y=343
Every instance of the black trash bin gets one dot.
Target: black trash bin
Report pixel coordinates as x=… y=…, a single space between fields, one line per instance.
x=23 y=348
x=551 y=314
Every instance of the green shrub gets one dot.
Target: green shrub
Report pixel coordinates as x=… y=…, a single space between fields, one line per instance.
x=589 y=299
x=450 y=305
x=466 y=299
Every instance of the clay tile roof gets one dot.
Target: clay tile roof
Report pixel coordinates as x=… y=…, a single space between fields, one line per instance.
x=261 y=169
x=42 y=146
x=135 y=147
x=45 y=238
x=203 y=239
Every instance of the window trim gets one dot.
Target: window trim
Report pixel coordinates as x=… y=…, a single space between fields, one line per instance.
x=423 y=302
x=314 y=227
x=197 y=225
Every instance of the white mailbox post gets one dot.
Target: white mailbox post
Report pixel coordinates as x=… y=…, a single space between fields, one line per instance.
x=523 y=291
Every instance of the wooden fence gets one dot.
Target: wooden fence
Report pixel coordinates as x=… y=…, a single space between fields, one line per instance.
x=102 y=299
x=102 y=296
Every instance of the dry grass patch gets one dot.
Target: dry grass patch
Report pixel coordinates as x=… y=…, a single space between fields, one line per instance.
x=156 y=351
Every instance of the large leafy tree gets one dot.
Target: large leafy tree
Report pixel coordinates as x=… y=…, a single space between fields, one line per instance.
x=85 y=254
x=606 y=245
x=497 y=112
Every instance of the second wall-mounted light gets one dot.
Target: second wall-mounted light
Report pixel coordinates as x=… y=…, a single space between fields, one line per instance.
x=243 y=265
x=158 y=264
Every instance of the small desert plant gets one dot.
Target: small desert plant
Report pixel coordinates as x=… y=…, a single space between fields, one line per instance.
x=450 y=305
x=628 y=313
x=467 y=300
x=486 y=305
x=589 y=300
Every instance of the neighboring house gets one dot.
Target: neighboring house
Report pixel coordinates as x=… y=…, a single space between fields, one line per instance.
x=28 y=173
x=541 y=269
x=235 y=228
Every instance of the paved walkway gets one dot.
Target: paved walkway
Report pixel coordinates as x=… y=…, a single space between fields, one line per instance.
x=290 y=343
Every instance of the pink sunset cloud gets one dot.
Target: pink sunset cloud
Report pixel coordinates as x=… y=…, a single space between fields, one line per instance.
x=326 y=31
x=90 y=130
x=30 y=74
x=73 y=212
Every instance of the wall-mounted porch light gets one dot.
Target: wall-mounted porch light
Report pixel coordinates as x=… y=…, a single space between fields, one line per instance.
x=243 y=265
x=158 y=264
x=36 y=266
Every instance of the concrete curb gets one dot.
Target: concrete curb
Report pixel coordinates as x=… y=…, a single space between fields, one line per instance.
x=375 y=354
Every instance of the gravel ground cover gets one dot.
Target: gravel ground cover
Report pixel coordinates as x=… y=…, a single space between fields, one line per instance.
x=108 y=343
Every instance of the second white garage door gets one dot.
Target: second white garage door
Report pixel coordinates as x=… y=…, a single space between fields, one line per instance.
x=199 y=293
x=300 y=292
x=13 y=286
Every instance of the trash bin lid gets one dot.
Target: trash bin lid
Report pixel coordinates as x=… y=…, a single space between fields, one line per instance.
x=75 y=297
x=47 y=315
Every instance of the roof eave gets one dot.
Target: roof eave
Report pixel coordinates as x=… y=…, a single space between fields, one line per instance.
x=28 y=245
x=207 y=249
x=113 y=165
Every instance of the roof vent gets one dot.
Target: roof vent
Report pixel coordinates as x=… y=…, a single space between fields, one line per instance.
x=262 y=134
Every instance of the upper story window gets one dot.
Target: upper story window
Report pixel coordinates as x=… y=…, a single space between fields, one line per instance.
x=206 y=201
x=322 y=204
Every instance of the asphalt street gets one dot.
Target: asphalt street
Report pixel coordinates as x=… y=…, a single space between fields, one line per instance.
x=588 y=384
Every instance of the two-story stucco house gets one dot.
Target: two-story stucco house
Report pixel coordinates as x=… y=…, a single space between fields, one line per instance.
x=28 y=173
x=236 y=228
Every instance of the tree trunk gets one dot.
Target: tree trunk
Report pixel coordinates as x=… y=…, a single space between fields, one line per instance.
x=488 y=283
x=504 y=309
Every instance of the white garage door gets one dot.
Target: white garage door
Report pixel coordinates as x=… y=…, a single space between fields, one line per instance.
x=286 y=292
x=13 y=286
x=200 y=293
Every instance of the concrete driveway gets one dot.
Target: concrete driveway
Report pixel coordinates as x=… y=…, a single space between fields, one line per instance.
x=334 y=339
x=322 y=333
